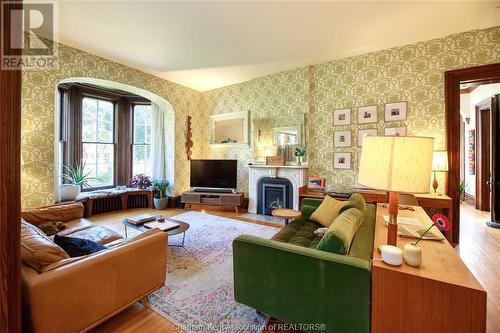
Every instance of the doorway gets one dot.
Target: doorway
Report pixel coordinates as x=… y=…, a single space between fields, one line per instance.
x=478 y=114
x=455 y=81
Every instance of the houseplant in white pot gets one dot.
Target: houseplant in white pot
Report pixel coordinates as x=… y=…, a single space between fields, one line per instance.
x=159 y=188
x=77 y=178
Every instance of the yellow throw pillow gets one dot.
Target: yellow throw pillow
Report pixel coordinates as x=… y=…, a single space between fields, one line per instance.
x=327 y=211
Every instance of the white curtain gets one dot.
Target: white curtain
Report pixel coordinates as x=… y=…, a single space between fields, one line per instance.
x=162 y=144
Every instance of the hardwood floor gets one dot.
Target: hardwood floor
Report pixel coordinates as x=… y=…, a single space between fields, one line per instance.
x=479 y=249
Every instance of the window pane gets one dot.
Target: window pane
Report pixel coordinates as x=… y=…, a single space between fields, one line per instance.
x=89 y=119
x=105 y=121
x=99 y=163
x=97 y=120
x=141 y=160
x=142 y=124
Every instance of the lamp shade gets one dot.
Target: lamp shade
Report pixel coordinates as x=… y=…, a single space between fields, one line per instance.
x=396 y=163
x=440 y=161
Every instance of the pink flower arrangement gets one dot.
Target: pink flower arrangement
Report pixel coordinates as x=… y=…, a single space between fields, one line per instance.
x=438 y=220
x=140 y=181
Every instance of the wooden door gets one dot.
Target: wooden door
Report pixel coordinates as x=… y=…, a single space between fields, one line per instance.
x=10 y=169
x=483 y=165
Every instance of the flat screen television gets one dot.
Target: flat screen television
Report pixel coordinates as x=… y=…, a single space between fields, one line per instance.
x=214 y=173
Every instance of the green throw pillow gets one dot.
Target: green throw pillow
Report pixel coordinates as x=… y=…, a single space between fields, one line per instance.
x=307 y=211
x=355 y=201
x=341 y=232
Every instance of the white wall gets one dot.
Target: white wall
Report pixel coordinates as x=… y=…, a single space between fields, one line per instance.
x=468 y=107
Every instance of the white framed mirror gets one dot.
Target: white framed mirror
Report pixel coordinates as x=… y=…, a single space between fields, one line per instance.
x=229 y=129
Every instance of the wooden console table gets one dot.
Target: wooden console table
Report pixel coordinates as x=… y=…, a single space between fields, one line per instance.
x=425 y=200
x=442 y=295
x=234 y=200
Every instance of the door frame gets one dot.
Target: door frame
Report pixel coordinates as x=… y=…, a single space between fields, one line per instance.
x=452 y=79
x=10 y=187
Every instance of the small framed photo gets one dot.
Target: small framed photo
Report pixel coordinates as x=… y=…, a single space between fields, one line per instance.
x=341 y=117
x=367 y=114
x=342 y=139
x=395 y=131
x=395 y=111
x=341 y=160
x=316 y=183
x=365 y=132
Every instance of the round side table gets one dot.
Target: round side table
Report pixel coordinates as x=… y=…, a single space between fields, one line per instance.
x=286 y=214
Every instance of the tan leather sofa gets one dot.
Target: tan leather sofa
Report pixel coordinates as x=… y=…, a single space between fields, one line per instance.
x=65 y=295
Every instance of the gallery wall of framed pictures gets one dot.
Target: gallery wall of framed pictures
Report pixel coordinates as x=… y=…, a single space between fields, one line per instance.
x=351 y=125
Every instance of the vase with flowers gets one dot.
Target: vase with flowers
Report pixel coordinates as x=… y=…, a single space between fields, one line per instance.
x=412 y=253
x=140 y=181
x=299 y=152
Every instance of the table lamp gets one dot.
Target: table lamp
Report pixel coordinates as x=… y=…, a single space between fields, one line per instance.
x=396 y=164
x=439 y=164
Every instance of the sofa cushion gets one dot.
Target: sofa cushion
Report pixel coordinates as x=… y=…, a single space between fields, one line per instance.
x=77 y=247
x=327 y=211
x=92 y=232
x=299 y=232
x=362 y=244
x=341 y=232
x=61 y=213
x=307 y=211
x=37 y=250
x=356 y=200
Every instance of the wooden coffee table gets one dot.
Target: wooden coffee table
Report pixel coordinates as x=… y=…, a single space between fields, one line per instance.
x=286 y=214
x=181 y=229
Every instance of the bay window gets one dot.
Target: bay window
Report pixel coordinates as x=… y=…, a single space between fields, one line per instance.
x=109 y=130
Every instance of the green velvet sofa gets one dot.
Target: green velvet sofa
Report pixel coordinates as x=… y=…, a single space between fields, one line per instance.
x=286 y=277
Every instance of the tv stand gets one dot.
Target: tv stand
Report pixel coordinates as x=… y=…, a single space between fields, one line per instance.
x=212 y=198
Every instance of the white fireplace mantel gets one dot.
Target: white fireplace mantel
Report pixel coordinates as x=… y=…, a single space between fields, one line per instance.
x=296 y=174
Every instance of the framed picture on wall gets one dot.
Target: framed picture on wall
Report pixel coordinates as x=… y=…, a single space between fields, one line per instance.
x=341 y=160
x=341 y=117
x=395 y=131
x=365 y=132
x=395 y=111
x=367 y=114
x=342 y=139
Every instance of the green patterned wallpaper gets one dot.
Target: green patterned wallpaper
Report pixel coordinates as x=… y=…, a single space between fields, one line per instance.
x=412 y=73
x=38 y=99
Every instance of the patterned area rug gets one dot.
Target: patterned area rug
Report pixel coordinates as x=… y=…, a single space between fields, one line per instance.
x=198 y=296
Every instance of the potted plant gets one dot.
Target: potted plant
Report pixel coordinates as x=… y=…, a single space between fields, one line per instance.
x=159 y=188
x=140 y=181
x=77 y=178
x=461 y=190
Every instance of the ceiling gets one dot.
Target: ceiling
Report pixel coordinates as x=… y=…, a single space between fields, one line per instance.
x=206 y=44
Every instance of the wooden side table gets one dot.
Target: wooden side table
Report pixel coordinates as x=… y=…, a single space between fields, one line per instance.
x=286 y=214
